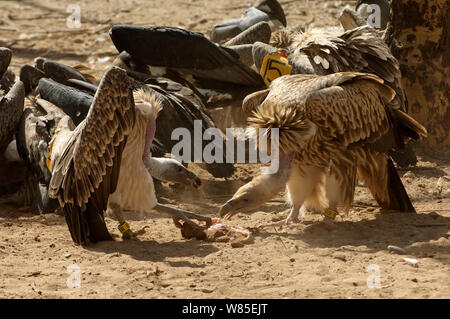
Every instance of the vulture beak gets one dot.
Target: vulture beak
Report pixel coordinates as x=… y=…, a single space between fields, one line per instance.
x=228 y=209
x=259 y=190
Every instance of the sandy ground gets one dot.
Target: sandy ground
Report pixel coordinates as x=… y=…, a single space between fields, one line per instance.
x=39 y=260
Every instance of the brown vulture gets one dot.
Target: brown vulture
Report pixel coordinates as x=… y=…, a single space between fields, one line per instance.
x=332 y=128
x=321 y=52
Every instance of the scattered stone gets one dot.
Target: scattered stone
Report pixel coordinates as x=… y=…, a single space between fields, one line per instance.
x=208 y=290
x=396 y=249
x=411 y=261
x=340 y=257
x=409 y=174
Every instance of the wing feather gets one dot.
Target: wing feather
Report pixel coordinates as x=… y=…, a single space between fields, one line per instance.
x=353 y=110
x=81 y=174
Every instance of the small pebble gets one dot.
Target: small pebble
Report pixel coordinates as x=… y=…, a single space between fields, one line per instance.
x=411 y=261
x=396 y=249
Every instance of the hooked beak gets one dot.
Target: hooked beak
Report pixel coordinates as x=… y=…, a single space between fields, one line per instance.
x=232 y=207
x=226 y=211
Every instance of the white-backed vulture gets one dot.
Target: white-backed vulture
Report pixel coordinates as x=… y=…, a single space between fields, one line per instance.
x=86 y=160
x=105 y=162
x=335 y=126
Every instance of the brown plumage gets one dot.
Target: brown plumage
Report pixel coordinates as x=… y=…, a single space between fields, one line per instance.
x=86 y=159
x=318 y=51
x=334 y=125
x=105 y=163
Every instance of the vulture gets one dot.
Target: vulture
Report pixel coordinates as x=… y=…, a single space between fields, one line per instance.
x=267 y=10
x=11 y=107
x=62 y=73
x=7 y=76
x=37 y=125
x=332 y=128
x=180 y=108
x=105 y=162
x=324 y=52
x=163 y=49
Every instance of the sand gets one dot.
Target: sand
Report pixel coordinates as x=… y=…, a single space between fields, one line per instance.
x=349 y=260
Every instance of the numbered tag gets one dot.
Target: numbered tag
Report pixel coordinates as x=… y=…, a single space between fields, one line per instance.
x=274 y=65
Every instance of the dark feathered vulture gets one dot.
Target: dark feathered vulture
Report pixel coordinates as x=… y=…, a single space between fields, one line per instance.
x=37 y=125
x=6 y=75
x=60 y=72
x=11 y=107
x=183 y=51
x=267 y=10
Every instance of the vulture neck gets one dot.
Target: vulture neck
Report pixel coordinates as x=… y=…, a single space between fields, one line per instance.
x=149 y=135
x=149 y=122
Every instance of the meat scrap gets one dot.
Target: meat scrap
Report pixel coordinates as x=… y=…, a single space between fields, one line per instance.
x=218 y=232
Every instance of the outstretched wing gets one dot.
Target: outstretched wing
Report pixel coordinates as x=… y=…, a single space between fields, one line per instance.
x=87 y=170
x=186 y=51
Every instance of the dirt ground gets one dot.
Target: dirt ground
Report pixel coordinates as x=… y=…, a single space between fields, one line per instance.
x=302 y=261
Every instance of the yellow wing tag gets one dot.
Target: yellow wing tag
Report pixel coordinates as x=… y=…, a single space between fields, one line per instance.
x=47 y=159
x=274 y=65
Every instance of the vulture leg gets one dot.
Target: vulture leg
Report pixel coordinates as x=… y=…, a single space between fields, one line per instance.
x=308 y=186
x=123 y=226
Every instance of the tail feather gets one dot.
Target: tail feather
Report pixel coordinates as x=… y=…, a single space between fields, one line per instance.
x=408 y=126
x=385 y=185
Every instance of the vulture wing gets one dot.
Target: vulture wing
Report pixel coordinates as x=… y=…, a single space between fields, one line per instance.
x=73 y=102
x=11 y=108
x=351 y=110
x=356 y=50
x=185 y=51
x=86 y=168
x=342 y=118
